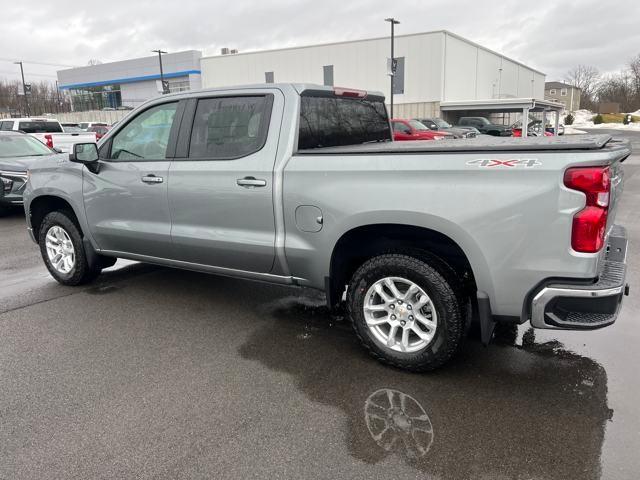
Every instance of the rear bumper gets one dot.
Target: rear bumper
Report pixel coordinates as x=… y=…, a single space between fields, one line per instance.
x=586 y=306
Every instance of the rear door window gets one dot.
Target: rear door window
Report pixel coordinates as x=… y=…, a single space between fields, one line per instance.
x=6 y=126
x=40 y=127
x=328 y=120
x=230 y=127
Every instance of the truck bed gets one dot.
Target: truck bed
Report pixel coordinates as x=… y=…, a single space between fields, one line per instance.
x=571 y=142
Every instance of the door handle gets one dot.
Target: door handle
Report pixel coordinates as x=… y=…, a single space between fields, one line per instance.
x=152 y=179
x=249 y=182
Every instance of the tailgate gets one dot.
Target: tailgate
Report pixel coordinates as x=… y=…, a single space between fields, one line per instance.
x=66 y=141
x=617 y=180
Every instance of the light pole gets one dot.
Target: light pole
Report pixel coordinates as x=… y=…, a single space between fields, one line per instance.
x=393 y=23
x=24 y=90
x=160 y=52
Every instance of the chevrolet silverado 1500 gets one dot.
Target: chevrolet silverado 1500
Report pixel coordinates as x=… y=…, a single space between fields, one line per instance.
x=303 y=185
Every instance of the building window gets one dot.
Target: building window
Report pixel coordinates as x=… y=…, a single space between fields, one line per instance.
x=398 y=78
x=327 y=72
x=563 y=92
x=268 y=77
x=179 y=86
x=552 y=91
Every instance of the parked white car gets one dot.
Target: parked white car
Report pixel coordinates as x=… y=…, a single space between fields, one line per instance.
x=48 y=130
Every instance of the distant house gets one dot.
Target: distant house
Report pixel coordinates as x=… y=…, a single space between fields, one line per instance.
x=563 y=93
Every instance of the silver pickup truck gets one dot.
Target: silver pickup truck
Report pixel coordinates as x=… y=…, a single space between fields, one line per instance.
x=302 y=185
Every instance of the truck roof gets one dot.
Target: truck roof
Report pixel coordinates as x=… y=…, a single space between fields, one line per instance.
x=30 y=119
x=479 y=144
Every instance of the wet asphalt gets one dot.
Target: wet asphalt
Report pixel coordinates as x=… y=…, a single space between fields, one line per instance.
x=159 y=373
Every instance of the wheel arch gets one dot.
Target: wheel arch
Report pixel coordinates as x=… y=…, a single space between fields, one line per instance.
x=359 y=243
x=41 y=206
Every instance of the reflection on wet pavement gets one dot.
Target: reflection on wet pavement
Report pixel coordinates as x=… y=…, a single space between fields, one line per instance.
x=518 y=409
x=397 y=422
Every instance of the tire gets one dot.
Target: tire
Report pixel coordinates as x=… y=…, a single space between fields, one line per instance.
x=445 y=311
x=69 y=237
x=5 y=210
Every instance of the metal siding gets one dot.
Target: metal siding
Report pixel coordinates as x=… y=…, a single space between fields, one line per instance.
x=356 y=64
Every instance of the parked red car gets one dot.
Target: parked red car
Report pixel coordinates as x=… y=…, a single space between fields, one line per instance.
x=100 y=130
x=414 y=130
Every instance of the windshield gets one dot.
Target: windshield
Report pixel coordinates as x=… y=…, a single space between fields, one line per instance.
x=416 y=125
x=441 y=123
x=22 y=146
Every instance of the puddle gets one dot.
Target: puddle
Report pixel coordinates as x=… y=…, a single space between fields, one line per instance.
x=518 y=409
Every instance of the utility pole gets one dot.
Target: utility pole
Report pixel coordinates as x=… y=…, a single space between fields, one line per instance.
x=24 y=90
x=393 y=23
x=160 y=52
x=58 y=95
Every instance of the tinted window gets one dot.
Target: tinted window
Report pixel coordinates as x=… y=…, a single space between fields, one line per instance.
x=146 y=136
x=327 y=121
x=12 y=146
x=400 y=127
x=40 y=127
x=84 y=125
x=229 y=127
x=6 y=126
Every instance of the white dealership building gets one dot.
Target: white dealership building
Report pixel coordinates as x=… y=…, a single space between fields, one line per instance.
x=433 y=69
x=438 y=73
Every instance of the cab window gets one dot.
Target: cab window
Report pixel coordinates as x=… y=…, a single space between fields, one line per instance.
x=230 y=127
x=146 y=137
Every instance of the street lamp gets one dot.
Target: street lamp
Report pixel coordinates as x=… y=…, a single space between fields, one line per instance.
x=160 y=52
x=393 y=23
x=24 y=90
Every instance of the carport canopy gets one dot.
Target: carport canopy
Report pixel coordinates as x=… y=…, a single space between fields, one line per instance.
x=510 y=105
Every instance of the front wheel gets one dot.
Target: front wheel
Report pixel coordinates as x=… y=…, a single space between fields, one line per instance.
x=405 y=312
x=63 y=252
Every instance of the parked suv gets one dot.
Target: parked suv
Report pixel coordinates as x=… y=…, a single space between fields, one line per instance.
x=485 y=126
x=302 y=185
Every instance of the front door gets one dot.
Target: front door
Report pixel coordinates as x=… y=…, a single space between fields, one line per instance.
x=221 y=191
x=126 y=201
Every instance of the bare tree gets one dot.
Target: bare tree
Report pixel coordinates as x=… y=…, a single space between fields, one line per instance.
x=586 y=78
x=634 y=72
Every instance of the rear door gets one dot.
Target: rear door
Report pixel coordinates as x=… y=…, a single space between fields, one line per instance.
x=221 y=181
x=126 y=201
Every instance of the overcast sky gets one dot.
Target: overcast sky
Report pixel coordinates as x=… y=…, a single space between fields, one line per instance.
x=550 y=36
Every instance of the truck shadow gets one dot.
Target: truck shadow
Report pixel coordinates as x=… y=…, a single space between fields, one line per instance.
x=530 y=411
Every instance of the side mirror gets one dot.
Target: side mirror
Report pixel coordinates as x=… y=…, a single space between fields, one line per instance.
x=87 y=154
x=57 y=150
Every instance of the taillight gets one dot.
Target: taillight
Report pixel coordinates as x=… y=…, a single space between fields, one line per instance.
x=49 y=140
x=589 y=224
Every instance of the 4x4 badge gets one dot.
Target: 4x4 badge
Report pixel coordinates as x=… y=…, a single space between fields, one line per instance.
x=509 y=163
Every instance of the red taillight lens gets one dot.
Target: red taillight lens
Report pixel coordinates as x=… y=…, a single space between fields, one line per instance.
x=589 y=224
x=49 y=140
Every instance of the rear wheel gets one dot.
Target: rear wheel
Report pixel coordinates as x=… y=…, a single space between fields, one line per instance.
x=63 y=252
x=405 y=312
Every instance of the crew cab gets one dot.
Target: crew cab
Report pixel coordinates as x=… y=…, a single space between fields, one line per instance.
x=485 y=126
x=48 y=130
x=302 y=184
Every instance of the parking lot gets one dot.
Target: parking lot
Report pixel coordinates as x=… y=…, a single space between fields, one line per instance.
x=151 y=372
